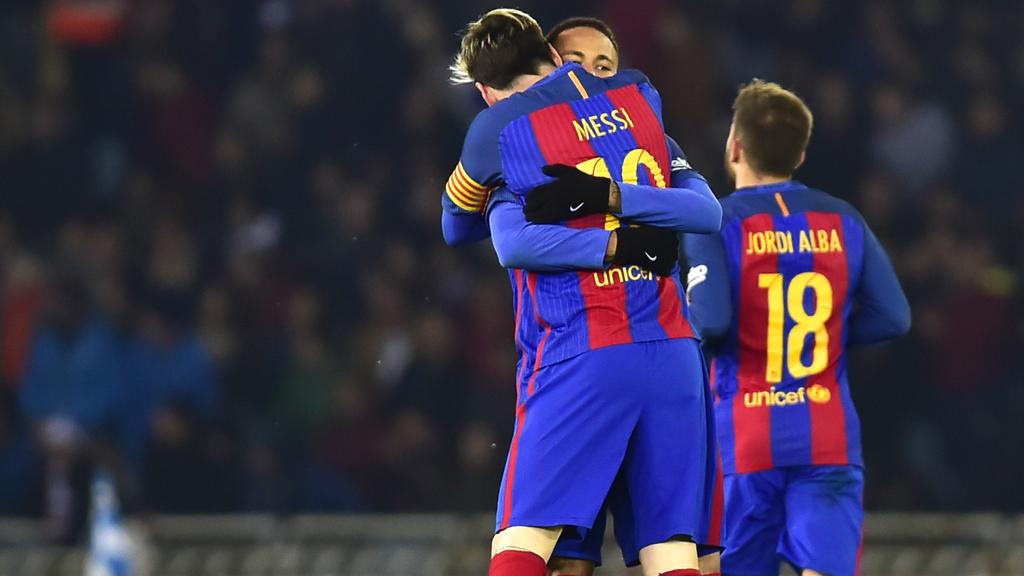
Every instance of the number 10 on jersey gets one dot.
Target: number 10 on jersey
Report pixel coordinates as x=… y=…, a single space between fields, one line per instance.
x=783 y=302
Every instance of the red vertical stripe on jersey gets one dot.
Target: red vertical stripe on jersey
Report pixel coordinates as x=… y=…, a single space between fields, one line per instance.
x=607 y=319
x=513 y=455
x=607 y=316
x=556 y=137
x=752 y=426
x=717 y=505
x=828 y=419
x=670 y=309
x=647 y=129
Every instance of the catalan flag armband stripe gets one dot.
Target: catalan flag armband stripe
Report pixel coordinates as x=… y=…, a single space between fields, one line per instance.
x=465 y=192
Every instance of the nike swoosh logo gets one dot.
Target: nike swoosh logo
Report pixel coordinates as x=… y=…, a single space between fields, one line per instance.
x=651 y=258
x=575 y=208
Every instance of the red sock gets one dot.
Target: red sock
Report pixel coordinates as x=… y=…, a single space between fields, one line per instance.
x=519 y=563
x=690 y=572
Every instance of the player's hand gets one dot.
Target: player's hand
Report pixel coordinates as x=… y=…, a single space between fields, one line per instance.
x=572 y=194
x=654 y=249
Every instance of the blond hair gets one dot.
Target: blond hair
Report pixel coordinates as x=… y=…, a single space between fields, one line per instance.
x=497 y=47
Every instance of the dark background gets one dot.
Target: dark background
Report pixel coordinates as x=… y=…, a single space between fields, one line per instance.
x=222 y=274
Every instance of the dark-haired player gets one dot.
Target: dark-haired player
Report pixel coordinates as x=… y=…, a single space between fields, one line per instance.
x=611 y=385
x=591 y=43
x=587 y=41
x=794 y=278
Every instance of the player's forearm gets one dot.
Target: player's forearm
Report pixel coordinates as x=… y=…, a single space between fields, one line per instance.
x=689 y=206
x=544 y=247
x=460 y=228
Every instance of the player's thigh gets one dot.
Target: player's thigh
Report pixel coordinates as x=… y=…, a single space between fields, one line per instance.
x=573 y=424
x=755 y=516
x=669 y=466
x=825 y=513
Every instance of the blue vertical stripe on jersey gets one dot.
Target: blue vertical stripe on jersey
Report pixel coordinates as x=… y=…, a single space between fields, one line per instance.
x=521 y=156
x=791 y=425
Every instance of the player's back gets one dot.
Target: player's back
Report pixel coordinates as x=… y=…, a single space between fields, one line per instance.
x=795 y=257
x=606 y=126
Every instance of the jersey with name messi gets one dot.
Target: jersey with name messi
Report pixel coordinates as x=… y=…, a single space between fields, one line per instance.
x=608 y=127
x=794 y=257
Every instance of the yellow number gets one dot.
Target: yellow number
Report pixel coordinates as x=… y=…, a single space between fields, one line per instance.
x=804 y=324
x=629 y=173
x=773 y=282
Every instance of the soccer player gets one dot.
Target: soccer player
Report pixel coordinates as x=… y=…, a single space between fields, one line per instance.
x=610 y=378
x=794 y=278
x=591 y=43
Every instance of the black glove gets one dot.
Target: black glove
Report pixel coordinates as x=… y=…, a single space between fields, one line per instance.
x=571 y=195
x=654 y=249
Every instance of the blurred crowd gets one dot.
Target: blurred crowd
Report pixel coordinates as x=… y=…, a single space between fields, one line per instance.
x=222 y=274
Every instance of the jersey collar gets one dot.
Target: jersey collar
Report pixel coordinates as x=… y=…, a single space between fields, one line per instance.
x=770 y=188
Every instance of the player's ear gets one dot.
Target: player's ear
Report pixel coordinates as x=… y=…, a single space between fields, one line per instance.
x=555 y=56
x=803 y=156
x=735 y=148
x=486 y=93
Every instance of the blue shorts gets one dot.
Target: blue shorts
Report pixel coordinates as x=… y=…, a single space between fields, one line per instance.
x=627 y=427
x=809 y=516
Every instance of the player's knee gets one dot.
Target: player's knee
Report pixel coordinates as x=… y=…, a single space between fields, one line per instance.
x=540 y=541
x=570 y=567
x=809 y=572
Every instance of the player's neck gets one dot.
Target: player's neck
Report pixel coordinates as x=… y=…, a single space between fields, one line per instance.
x=746 y=178
x=525 y=81
x=521 y=83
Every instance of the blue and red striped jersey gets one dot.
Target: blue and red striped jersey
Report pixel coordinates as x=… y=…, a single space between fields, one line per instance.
x=794 y=278
x=609 y=127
